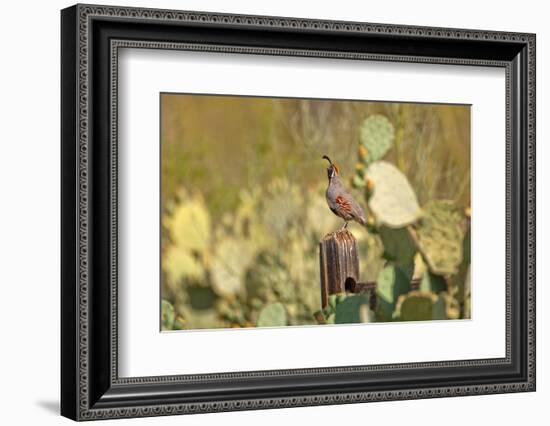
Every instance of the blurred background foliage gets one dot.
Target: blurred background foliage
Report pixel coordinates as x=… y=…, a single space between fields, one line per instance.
x=243 y=208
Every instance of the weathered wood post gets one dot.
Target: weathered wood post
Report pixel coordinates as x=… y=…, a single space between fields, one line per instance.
x=339 y=262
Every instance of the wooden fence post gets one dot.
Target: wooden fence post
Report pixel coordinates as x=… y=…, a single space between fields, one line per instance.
x=339 y=261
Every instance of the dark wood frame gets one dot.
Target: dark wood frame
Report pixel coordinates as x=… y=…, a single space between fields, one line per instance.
x=90 y=386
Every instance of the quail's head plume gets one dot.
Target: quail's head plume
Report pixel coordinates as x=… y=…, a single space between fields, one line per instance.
x=339 y=200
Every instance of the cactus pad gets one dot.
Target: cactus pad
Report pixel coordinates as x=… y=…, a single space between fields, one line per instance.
x=392 y=282
x=273 y=315
x=393 y=200
x=376 y=135
x=181 y=265
x=267 y=279
x=439 y=237
x=416 y=306
x=229 y=263
x=168 y=315
x=399 y=247
x=461 y=280
x=190 y=225
x=353 y=310
x=425 y=306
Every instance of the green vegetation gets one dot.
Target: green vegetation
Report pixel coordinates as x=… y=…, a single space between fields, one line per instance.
x=243 y=210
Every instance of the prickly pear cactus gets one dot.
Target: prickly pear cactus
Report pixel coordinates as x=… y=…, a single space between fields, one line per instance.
x=179 y=323
x=432 y=282
x=450 y=305
x=267 y=280
x=416 y=306
x=376 y=136
x=399 y=247
x=461 y=280
x=328 y=314
x=392 y=282
x=190 y=225
x=180 y=264
x=189 y=229
x=281 y=206
x=425 y=305
x=200 y=297
x=273 y=315
x=393 y=200
x=168 y=315
x=334 y=300
x=196 y=319
x=439 y=237
x=233 y=312
x=353 y=310
x=228 y=266
x=440 y=308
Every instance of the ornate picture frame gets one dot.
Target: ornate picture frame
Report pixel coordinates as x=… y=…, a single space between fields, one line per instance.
x=91 y=38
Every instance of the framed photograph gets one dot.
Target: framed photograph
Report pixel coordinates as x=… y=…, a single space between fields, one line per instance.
x=263 y=212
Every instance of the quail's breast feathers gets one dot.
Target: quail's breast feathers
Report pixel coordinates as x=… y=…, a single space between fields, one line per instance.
x=342 y=203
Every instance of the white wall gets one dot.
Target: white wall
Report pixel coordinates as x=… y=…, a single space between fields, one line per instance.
x=29 y=210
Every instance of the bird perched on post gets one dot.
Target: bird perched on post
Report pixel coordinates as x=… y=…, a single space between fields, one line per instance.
x=339 y=200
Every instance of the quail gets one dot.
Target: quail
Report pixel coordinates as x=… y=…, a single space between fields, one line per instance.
x=339 y=200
